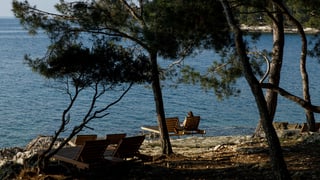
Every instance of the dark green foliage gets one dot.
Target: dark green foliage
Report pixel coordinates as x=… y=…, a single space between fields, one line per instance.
x=254 y=12
x=71 y=34
x=182 y=25
x=171 y=29
x=251 y=12
x=223 y=74
x=105 y=63
x=315 y=47
x=307 y=12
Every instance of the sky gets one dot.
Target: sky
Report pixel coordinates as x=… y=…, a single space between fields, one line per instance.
x=46 y=5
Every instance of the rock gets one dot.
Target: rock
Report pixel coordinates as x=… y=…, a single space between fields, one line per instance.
x=18 y=155
x=311 y=137
x=288 y=133
x=12 y=160
x=216 y=148
x=8 y=153
x=41 y=143
x=280 y=125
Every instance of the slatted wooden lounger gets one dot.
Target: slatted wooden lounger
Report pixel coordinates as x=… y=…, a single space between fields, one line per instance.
x=114 y=140
x=172 y=123
x=191 y=126
x=128 y=148
x=83 y=157
x=82 y=138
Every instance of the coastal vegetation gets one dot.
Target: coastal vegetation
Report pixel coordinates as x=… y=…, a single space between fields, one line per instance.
x=306 y=12
x=126 y=38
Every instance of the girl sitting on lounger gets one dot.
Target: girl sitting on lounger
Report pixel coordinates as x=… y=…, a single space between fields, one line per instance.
x=190 y=114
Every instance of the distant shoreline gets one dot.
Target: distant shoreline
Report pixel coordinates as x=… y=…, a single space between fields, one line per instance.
x=268 y=29
x=252 y=29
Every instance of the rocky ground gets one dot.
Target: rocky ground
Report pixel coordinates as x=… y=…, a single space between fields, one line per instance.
x=226 y=157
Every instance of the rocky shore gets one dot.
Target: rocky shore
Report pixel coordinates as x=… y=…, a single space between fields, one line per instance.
x=197 y=145
x=196 y=148
x=12 y=160
x=184 y=145
x=20 y=154
x=268 y=29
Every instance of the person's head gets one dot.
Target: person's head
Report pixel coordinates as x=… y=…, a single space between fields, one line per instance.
x=190 y=114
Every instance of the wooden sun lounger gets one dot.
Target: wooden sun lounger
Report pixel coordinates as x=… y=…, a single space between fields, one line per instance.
x=172 y=123
x=128 y=147
x=115 y=138
x=82 y=138
x=83 y=157
x=191 y=125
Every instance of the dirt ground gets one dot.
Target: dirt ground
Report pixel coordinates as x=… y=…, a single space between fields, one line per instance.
x=249 y=160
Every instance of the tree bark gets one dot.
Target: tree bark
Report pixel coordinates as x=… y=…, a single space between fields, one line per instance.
x=304 y=75
x=276 y=157
x=164 y=136
x=300 y=101
x=275 y=66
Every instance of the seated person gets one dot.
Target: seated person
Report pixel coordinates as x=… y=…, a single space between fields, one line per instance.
x=190 y=114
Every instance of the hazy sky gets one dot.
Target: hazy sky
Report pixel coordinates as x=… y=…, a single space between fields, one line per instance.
x=6 y=6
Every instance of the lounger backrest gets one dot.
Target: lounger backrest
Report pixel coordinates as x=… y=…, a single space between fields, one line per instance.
x=192 y=123
x=128 y=147
x=92 y=151
x=81 y=139
x=115 y=138
x=172 y=123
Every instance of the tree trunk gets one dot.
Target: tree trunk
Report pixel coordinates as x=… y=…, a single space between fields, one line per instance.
x=276 y=157
x=304 y=75
x=164 y=136
x=306 y=95
x=275 y=67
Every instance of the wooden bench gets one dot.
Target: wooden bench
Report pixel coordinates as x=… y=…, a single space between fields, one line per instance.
x=171 y=122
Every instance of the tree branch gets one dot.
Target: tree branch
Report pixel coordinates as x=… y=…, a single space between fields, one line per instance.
x=296 y=99
x=268 y=65
x=133 y=13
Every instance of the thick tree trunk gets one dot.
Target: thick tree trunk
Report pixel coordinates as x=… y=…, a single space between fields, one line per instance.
x=275 y=67
x=276 y=63
x=164 y=136
x=276 y=157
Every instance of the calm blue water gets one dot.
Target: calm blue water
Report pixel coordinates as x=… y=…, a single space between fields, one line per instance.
x=30 y=106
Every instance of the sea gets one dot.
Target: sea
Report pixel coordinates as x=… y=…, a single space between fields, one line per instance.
x=31 y=105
